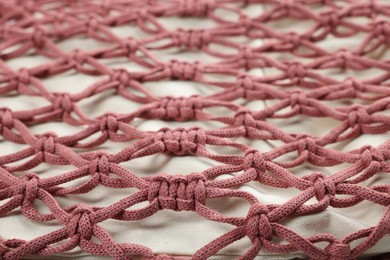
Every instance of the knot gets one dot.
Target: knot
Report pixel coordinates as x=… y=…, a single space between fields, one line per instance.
x=375 y=153
x=358 y=115
x=254 y=159
x=92 y=24
x=298 y=99
x=122 y=76
x=246 y=23
x=183 y=70
x=38 y=38
x=193 y=39
x=343 y=56
x=31 y=177
x=79 y=225
x=3 y=248
x=109 y=122
x=6 y=119
x=382 y=28
x=258 y=225
x=246 y=55
x=323 y=186
x=244 y=117
x=370 y=153
x=143 y=13
x=196 y=7
x=46 y=144
x=181 y=108
x=330 y=19
x=63 y=102
x=23 y=76
x=178 y=192
x=292 y=38
x=8 y=245
x=295 y=71
x=31 y=188
x=245 y=83
x=181 y=141
x=130 y=46
x=352 y=83
x=306 y=143
x=100 y=164
x=338 y=250
x=78 y=56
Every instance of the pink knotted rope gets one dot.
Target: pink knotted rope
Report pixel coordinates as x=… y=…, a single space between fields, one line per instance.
x=22 y=32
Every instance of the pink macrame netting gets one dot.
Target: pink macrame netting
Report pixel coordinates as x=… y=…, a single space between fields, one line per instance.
x=297 y=88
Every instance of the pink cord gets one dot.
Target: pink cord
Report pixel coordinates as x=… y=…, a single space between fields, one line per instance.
x=22 y=32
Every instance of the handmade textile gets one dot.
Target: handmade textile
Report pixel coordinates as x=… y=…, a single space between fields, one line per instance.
x=267 y=65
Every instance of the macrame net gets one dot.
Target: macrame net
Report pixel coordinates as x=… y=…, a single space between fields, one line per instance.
x=296 y=88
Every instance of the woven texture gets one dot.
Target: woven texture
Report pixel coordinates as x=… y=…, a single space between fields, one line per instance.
x=298 y=87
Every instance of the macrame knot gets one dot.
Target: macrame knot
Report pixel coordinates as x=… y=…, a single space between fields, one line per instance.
x=353 y=84
x=298 y=99
x=330 y=19
x=196 y=7
x=293 y=38
x=358 y=115
x=343 y=56
x=179 y=108
x=122 y=76
x=258 y=225
x=183 y=70
x=181 y=141
x=6 y=119
x=178 y=192
x=338 y=251
x=244 y=117
x=109 y=122
x=78 y=56
x=323 y=186
x=295 y=71
x=376 y=154
x=92 y=24
x=306 y=143
x=246 y=55
x=143 y=13
x=3 y=248
x=130 y=46
x=382 y=28
x=370 y=154
x=8 y=245
x=31 y=188
x=79 y=225
x=63 y=102
x=193 y=39
x=246 y=84
x=46 y=144
x=38 y=38
x=23 y=76
x=254 y=159
x=100 y=164
x=246 y=23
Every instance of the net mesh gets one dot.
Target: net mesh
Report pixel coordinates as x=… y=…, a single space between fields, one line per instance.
x=297 y=88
